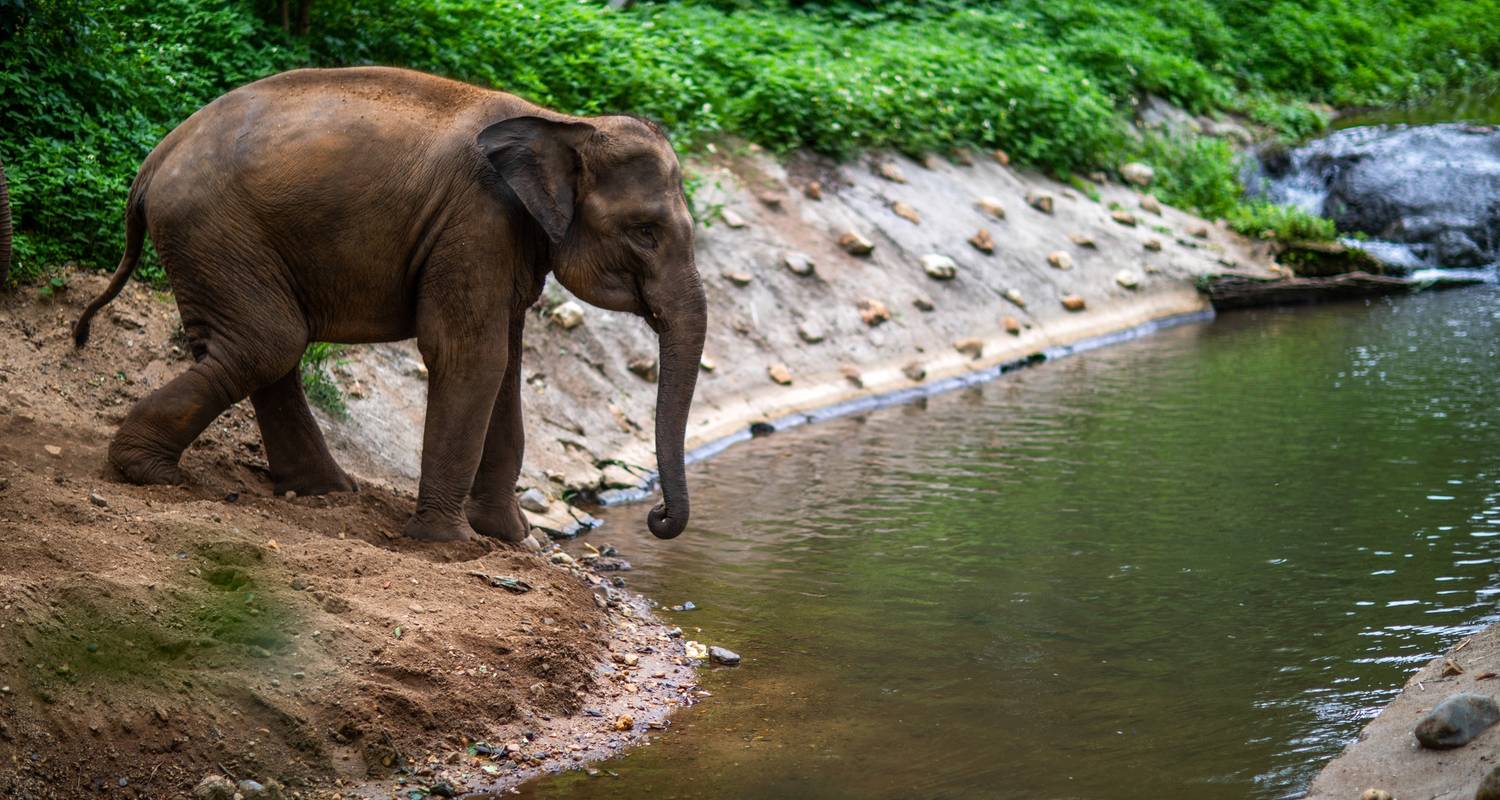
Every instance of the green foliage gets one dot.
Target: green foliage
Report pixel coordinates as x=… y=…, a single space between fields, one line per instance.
x=1198 y=174
x=317 y=381
x=1269 y=220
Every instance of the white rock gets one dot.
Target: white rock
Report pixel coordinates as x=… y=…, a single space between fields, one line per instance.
x=1060 y=259
x=991 y=206
x=939 y=267
x=732 y=219
x=535 y=500
x=798 y=263
x=567 y=316
x=1128 y=278
x=810 y=332
x=1137 y=173
x=1014 y=296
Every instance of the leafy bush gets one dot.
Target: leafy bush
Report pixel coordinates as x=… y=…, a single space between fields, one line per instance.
x=1198 y=174
x=1270 y=220
x=317 y=382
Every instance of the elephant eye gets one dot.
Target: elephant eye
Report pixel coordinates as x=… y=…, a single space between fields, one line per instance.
x=644 y=235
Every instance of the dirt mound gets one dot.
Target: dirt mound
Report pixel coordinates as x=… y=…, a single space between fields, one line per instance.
x=152 y=635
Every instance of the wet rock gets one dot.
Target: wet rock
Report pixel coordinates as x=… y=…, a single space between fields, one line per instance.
x=1137 y=173
x=798 y=263
x=810 y=332
x=1002 y=157
x=707 y=364
x=720 y=655
x=914 y=371
x=1073 y=302
x=856 y=245
x=1014 y=296
x=991 y=207
x=1489 y=788
x=732 y=219
x=923 y=303
x=906 y=212
x=872 y=311
x=214 y=787
x=1153 y=244
x=983 y=241
x=1012 y=325
x=644 y=367
x=891 y=172
x=813 y=190
x=779 y=374
x=534 y=500
x=1123 y=217
x=1150 y=205
x=567 y=315
x=971 y=346
x=98 y=500
x=1041 y=201
x=939 y=267
x=1456 y=721
x=1060 y=259
x=739 y=278
x=1128 y=278
x=1082 y=240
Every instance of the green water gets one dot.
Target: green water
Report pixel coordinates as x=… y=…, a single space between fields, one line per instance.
x=1188 y=566
x=1480 y=106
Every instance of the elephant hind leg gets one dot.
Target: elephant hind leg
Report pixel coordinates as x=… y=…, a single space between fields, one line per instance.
x=298 y=455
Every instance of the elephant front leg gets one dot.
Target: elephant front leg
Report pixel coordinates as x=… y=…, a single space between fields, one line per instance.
x=493 y=510
x=463 y=382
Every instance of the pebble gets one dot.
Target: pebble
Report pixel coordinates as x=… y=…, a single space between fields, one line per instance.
x=939 y=267
x=250 y=788
x=906 y=212
x=1014 y=296
x=923 y=303
x=739 y=278
x=779 y=374
x=1082 y=240
x=1041 y=201
x=813 y=190
x=1002 y=157
x=98 y=500
x=1012 y=326
x=1198 y=231
x=1123 y=217
x=707 y=364
x=1128 y=278
x=983 y=241
x=732 y=219
x=991 y=206
x=1150 y=204
x=1375 y=794
x=852 y=374
x=971 y=346
x=535 y=499
x=720 y=655
x=798 y=263
x=1153 y=244
x=810 y=332
x=771 y=201
x=914 y=371
x=644 y=367
x=1457 y=721
x=890 y=172
x=1060 y=259
x=567 y=316
x=1073 y=302
x=624 y=722
x=855 y=244
x=1137 y=173
x=872 y=311
x=52 y=449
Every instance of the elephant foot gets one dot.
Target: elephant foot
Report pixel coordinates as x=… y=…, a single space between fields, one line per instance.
x=432 y=529
x=309 y=485
x=142 y=466
x=506 y=523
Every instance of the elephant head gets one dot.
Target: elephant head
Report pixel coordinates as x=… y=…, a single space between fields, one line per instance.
x=607 y=194
x=5 y=231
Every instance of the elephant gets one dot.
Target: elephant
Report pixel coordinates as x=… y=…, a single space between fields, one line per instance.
x=375 y=204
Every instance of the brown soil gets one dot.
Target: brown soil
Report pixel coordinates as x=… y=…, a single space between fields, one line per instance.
x=150 y=636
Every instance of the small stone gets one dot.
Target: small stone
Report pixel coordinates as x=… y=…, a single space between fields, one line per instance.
x=1012 y=325
x=872 y=311
x=780 y=374
x=98 y=500
x=939 y=267
x=852 y=375
x=983 y=241
x=535 y=500
x=1375 y=794
x=891 y=172
x=971 y=346
x=914 y=371
x=1198 y=231
x=991 y=207
x=1150 y=204
x=707 y=364
x=624 y=722
x=1489 y=788
x=798 y=263
x=1073 y=302
x=1123 y=217
x=1082 y=240
x=1153 y=244
x=906 y=212
x=567 y=315
x=739 y=278
x=1002 y=157
x=251 y=789
x=769 y=200
x=1456 y=721
x=1060 y=259
x=732 y=219
x=52 y=449
x=855 y=244
x=962 y=157
x=720 y=655
x=810 y=332
x=1137 y=173
x=644 y=367
x=1128 y=278
x=1041 y=201
x=923 y=303
x=813 y=190
x=1014 y=296
x=214 y=787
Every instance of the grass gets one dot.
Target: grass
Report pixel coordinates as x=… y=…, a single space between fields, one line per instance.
x=87 y=87
x=317 y=379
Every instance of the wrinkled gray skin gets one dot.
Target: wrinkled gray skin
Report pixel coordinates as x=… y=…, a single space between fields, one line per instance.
x=374 y=204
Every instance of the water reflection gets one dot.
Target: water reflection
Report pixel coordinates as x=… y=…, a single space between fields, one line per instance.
x=1188 y=566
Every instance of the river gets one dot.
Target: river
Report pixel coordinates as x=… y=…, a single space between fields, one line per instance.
x=1191 y=565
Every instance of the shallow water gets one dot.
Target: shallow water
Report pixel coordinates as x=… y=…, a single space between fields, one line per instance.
x=1188 y=566
x=1479 y=105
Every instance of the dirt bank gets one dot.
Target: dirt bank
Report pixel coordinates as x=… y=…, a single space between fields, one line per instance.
x=150 y=636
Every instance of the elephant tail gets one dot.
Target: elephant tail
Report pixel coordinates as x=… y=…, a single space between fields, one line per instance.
x=135 y=236
x=5 y=229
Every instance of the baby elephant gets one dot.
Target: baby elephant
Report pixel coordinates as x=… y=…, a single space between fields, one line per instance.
x=374 y=204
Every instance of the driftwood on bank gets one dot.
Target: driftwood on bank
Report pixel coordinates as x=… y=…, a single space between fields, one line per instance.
x=1243 y=290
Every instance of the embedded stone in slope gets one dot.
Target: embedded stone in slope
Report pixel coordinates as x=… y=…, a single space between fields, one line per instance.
x=891 y=172
x=852 y=375
x=798 y=263
x=856 y=245
x=1137 y=173
x=813 y=190
x=810 y=332
x=707 y=364
x=939 y=267
x=914 y=371
x=1002 y=157
x=739 y=278
x=1014 y=296
x=644 y=367
x=567 y=316
x=1128 y=278
x=923 y=303
x=1150 y=205
x=983 y=241
x=1123 y=217
x=906 y=212
x=971 y=346
x=1060 y=259
x=991 y=206
x=1153 y=244
x=1012 y=325
x=732 y=219
x=780 y=374
x=1041 y=201
x=1073 y=302
x=872 y=311
x=1083 y=240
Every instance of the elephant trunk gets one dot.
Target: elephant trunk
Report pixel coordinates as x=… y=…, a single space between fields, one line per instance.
x=681 y=324
x=5 y=229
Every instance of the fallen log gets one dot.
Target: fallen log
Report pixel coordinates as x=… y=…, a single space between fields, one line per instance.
x=1243 y=290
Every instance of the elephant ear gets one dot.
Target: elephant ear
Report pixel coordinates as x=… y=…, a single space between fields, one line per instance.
x=538 y=159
